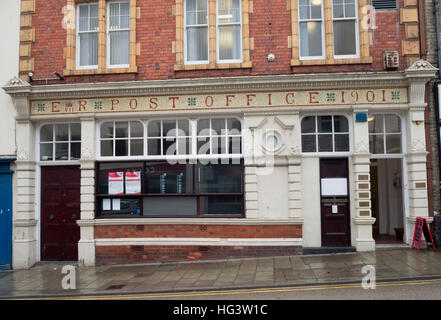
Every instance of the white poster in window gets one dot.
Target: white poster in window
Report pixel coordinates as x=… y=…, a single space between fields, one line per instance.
x=334 y=187
x=116 y=182
x=106 y=204
x=133 y=182
x=116 y=204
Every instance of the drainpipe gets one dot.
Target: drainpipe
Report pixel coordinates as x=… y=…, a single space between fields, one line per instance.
x=437 y=83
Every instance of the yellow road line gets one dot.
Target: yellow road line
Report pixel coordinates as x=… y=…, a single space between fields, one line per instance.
x=236 y=291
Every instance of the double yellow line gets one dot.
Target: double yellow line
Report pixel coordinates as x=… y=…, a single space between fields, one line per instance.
x=132 y=296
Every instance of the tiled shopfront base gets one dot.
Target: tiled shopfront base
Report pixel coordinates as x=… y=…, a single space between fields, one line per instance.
x=146 y=254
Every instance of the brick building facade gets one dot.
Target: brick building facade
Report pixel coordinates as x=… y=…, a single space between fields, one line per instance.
x=125 y=109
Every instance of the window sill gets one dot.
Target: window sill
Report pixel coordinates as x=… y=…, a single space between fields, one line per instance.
x=366 y=60
x=100 y=71
x=192 y=67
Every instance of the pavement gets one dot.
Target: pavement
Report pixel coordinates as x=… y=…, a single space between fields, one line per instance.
x=45 y=279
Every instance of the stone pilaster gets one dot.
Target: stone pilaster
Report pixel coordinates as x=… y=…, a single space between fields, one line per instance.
x=295 y=187
x=86 y=245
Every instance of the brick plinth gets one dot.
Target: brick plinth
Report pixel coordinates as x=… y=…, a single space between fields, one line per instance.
x=198 y=231
x=147 y=254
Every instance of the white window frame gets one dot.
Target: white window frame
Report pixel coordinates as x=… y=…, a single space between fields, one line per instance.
x=316 y=134
x=193 y=141
x=176 y=136
x=114 y=138
x=384 y=134
x=357 y=30
x=78 y=32
x=229 y=24
x=207 y=25
x=54 y=142
x=108 y=31
x=322 y=24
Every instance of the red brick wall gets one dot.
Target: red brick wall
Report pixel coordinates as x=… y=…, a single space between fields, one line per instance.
x=198 y=231
x=146 y=254
x=270 y=25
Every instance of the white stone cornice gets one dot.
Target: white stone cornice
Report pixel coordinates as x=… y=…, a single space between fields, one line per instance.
x=219 y=85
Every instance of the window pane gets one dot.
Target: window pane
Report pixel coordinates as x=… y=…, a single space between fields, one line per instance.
x=154 y=147
x=184 y=146
x=350 y=10
x=119 y=48
x=220 y=178
x=164 y=178
x=311 y=39
x=341 y=142
x=136 y=129
x=136 y=147
x=121 y=148
x=46 y=152
x=128 y=206
x=61 y=132
x=75 y=132
x=88 y=49
x=218 y=126
x=325 y=143
x=344 y=38
x=308 y=143
x=170 y=206
x=229 y=42
x=113 y=16
x=221 y=205
x=376 y=144
x=304 y=12
x=235 y=145
x=228 y=11
x=375 y=123
x=393 y=143
x=46 y=133
x=340 y=124
x=234 y=126
x=107 y=130
x=203 y=145
x=183 y=128
x=203 y=127
x=154 y=129
x=316 y=9
x=219 y=145
x=197 y=44
x=324 y=124
x=308 y=125
x=107 y=148
x=169 y=128
x=338 y=11
x=61 y=151
x=75 y=151
x=121 y=129
x=393 y=123
x=169 y=146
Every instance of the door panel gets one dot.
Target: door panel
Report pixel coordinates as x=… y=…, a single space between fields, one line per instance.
x=5 y=220
x=60 y=208
x=335 y=215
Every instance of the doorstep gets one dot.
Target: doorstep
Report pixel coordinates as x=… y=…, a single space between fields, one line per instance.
x=328 y=250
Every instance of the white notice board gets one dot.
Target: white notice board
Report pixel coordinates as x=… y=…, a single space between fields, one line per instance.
x=334 y=187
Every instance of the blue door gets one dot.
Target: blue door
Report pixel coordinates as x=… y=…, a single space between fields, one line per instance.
x=5 y=214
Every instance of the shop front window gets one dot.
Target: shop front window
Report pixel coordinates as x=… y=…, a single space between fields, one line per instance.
x=325 y=134
x=190 y=168
x=60 y=142
x=385 y=134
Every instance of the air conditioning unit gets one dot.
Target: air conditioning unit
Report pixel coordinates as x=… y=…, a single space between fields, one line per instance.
x=390 y=59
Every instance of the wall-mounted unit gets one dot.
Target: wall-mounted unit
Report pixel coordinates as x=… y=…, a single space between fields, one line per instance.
x=390 y=60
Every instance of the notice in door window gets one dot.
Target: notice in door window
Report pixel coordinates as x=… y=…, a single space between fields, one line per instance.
x=116 y=182
x=133 y=182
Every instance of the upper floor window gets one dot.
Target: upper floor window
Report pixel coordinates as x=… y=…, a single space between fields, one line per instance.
x=103 y=38
x=122 y=138
x=118 y=34
x=87 y=36
x=345 y=24
x=311 y=29
x=60 y=142
x=326 y=32
x=196 y=31
x=325 y=134
x=385 y=134
x=212 y=34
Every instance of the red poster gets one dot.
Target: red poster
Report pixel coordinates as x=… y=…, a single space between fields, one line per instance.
x=133 y=182
x=116 y=182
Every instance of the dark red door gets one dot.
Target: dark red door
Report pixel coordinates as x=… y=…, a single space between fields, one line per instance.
x=335 y=215
x=60 y=209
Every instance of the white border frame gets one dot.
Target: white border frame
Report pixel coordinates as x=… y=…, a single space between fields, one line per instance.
x=77 y=36
x=357 y=31
x=186 y=62
x=219 y=61
x=115 y=66
x=322 y=20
